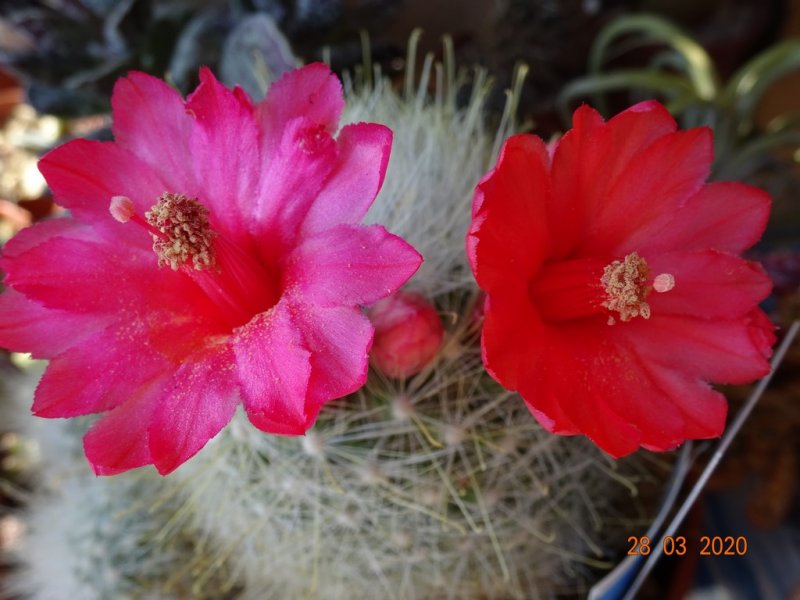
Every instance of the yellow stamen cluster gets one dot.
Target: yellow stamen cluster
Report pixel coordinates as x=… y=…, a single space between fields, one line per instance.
x=625 y=284
x=187 y=232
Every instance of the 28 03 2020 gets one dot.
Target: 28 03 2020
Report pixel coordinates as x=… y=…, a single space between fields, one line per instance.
x=709 y=545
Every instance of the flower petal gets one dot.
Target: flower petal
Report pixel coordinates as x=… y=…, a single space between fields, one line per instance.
x=356 y=179
x=194 y=406
x=590 y=158
x=509 y=232
x=660 y=179
x=312 y=92
x=349 y=265
x=294 y=175
x=274 y=370
x=704 y=409
x=27 y=326
x=609 y=384
x=727 y=216
x=96 y=376
x=151 y=120
x=339 y=339
x=708 y=284
x=119 y=441
x=226 y=153
x=718 y=351
x=113 y=277
x=84 y=175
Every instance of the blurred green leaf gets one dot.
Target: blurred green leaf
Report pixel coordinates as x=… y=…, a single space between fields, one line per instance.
x=745 y=89
x=698 y=66
x=673 y=87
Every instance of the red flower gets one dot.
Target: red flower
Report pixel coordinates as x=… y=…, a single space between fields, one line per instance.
x=231 y=267
x=614 y=288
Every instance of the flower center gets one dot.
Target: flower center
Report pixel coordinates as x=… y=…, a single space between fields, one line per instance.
x=189 y=236
x=625 y=284
x=184 y=239
x=586 y=287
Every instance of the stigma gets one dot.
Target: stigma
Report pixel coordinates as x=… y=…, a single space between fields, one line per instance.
x=627 y=284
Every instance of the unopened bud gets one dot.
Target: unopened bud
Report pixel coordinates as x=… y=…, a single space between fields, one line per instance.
x=408 y=334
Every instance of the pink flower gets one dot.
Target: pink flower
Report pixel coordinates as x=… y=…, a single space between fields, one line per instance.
x=615 y=289
x=215 y=256
x=408 y=334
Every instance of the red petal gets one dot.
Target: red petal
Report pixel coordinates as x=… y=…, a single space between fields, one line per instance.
x=718 y=351
x=350 y=265
x=274 y=370
x=708 y=285
x=658 y=180
x=195 y=405
x=726 y=216
x=519 y=362
x=589 y=159
x=704 y=409
x=509 y=234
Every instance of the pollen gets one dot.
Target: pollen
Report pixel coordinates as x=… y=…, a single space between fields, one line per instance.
x=626 y=285
x=186 y=233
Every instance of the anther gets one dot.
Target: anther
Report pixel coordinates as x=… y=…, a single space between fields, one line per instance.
x=625 y=284
x=184 y=223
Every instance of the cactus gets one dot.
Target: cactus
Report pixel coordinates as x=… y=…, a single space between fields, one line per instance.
x=440 y=485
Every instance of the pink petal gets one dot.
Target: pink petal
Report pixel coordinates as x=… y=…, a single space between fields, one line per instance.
x=42 y=232
x=195 y=405
x=274 y=370
x=708 y=284
x=509 y=231
x=660 y=179
x=27 y=326
x=339 y=339
x=151 y=120
x=312 y=92
x=119 y=441
x=97 y=375
x=225 y=151
x=113 y=278
x=293 y=176
x=717 y=351
x=84 y=175
x=356 y=179
x=726 y=216
x=350 y=264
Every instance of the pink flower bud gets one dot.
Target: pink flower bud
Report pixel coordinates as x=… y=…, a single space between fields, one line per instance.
x=408 y=334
